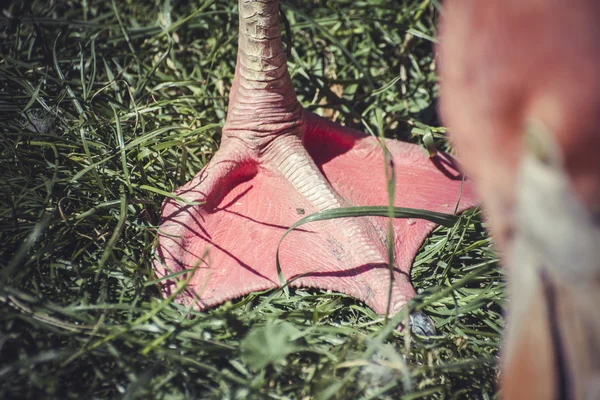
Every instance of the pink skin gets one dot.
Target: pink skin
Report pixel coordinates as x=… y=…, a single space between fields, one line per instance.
x=505 y=64
x=278 y=163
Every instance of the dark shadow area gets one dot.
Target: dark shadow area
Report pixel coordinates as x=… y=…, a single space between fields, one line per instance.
x=355 y=271
x=447 y=165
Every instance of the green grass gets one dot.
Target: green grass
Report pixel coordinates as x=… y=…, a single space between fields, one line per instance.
x=105 y=108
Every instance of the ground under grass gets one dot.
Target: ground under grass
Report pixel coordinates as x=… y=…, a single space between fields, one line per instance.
x=106 y=107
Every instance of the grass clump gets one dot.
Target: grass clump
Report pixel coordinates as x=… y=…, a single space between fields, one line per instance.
x=105 y=108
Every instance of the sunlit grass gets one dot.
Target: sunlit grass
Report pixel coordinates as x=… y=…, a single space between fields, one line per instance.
x=105 y=108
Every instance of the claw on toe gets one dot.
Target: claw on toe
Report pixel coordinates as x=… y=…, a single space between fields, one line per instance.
x=420 y=324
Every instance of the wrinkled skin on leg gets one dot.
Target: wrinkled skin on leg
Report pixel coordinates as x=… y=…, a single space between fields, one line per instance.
x=278 y=163
x=520 y=91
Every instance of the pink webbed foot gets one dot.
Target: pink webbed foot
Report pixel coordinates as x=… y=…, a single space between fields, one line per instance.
x=277 y=164
x=246 y=207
